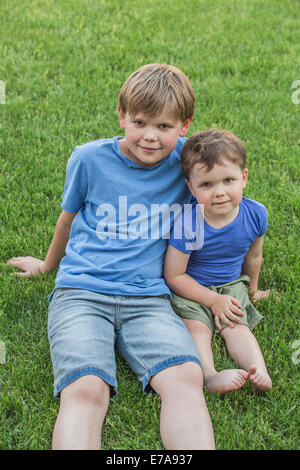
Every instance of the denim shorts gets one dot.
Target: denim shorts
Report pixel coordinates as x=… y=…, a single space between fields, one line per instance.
x=84 y=327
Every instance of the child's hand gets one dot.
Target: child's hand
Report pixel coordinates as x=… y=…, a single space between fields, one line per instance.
x=31 y=266
x=225 y=308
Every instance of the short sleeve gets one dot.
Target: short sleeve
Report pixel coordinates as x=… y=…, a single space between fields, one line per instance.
x=75 y=188
x=263 y=220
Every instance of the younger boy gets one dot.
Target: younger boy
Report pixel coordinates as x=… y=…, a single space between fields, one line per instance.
x=211 y=281
x=109 y=287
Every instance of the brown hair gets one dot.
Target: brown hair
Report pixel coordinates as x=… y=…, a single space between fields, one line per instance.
x=210 y=147
x=155 y=88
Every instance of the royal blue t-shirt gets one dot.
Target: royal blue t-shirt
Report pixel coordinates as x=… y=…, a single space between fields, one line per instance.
x=217 y=255
x=125 y=213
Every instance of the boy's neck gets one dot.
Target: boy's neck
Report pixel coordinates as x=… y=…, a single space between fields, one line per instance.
x=221 y=221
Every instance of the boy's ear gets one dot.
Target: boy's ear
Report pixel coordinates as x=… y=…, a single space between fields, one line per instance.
x=121 y=118
x=245 y=177
x=185 y=126
x=189 y=186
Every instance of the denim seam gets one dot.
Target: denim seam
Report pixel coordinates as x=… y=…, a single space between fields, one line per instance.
x=134 y=356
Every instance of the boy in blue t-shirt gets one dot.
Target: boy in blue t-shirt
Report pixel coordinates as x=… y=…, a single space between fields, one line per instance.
x=214 y=258
x=119 y=199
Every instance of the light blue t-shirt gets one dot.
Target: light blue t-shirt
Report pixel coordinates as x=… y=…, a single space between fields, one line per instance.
x=119 y=236
x=222 y=251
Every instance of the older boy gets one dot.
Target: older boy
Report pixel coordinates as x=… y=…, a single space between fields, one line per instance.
x=109 y=287
x=212 y=278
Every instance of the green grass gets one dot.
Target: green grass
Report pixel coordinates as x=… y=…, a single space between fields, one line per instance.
x=63 y=63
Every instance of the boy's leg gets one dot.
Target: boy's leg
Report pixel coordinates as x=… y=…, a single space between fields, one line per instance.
x=244 y=349
x=81 y=336
x=83 y=406
x=215 y=382
x=160 y=350
x=185 y=421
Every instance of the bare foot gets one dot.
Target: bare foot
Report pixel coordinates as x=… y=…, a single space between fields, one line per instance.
x=226 y=380
x=260 y=379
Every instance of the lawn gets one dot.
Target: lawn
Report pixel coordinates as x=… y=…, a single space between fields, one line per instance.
x=62 y=65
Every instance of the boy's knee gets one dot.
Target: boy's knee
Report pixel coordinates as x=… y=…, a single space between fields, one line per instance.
x=199 y=328
x=88 y=389
x=190 y=375
x=180 y=377
x=227 y=333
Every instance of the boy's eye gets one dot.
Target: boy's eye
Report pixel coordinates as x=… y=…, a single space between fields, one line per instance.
x=138 y=123
x=205 y=185
x=164 y=126
x=228 y=180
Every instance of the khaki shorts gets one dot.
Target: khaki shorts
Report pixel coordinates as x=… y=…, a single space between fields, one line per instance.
x=238 y=288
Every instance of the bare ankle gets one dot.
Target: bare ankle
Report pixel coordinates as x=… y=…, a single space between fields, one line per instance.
x=208 y=374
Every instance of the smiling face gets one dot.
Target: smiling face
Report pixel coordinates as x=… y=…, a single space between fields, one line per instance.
x=220 y=190
x=150 y=139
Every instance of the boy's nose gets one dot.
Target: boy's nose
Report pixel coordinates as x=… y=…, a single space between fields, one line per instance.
x=219 y=190
x=150 y=134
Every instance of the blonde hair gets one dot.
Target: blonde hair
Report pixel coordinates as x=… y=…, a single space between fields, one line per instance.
x=155 y=88
x=210 y=147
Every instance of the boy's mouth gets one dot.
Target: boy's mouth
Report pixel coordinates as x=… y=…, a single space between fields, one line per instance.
x=220 y=203
x=148 y=149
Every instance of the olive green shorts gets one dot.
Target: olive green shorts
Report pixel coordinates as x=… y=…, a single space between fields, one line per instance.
x=238 y=288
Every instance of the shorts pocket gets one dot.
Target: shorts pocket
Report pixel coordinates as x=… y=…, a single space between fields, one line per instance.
x=58 y=294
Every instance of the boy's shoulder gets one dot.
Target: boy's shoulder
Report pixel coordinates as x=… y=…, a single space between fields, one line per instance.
x=88 y=154
x=254 y=216
x=94 y=146
x=253 y=205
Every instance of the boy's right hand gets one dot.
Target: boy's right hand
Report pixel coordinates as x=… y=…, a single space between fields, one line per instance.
x=225 y=308
x=30 y=266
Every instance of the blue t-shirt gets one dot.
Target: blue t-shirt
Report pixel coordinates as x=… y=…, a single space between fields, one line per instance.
x=219 y=254
x=125 y=213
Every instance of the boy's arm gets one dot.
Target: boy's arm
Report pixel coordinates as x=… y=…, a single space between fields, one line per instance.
x=176 y=278
x=251 y=267
x=34 y=266
x=224 y=307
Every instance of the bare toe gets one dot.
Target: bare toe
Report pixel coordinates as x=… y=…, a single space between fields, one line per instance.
x=226 y=380
x=261 y=380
